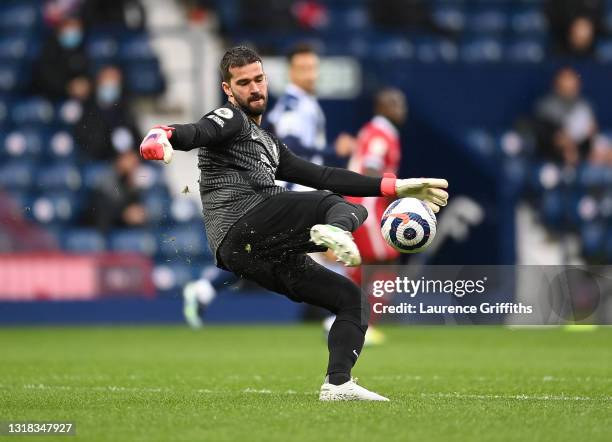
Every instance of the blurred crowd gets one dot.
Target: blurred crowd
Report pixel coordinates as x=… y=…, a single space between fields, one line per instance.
x=448 y=30
x=66 y=111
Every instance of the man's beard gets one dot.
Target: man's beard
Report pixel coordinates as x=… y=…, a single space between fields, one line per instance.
x=249 y=109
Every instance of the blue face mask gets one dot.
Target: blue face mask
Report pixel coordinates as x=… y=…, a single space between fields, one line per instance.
x=108 y=93
x=70 y=38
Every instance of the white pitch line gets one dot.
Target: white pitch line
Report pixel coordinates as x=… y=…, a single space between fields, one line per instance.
x=249 y=390
x=519 y=397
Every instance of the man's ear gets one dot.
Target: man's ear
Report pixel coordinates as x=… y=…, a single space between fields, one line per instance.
x=227 y=89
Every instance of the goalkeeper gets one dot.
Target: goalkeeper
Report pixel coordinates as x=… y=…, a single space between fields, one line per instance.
x=263 y=232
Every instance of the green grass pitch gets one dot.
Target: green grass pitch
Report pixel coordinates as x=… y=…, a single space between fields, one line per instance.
x=260 y=383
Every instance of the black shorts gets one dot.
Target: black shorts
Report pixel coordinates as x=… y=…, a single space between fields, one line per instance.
x=278 y=227
x=269 y=246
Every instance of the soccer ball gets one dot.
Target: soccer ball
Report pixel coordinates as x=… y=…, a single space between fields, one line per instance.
x=408 y=225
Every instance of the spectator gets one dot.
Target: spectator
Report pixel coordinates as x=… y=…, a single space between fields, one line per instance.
x=61 y=71
x=54 y=11
x=116 y=202
x=565 y=122
x=574 y=25
x=128 y=14
x=107 y=126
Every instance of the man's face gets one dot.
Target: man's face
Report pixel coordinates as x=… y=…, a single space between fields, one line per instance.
x=304 y=71
x=568 y=84
x=398 y=110
x=248 y=88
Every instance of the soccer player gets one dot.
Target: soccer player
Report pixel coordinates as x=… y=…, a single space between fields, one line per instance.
x=263 y=232
x=297 y=118
x=378 y=152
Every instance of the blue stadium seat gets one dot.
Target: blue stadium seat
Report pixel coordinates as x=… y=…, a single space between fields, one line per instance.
x=19 y=15
x=136 y=47
x=5 y=105
x=59 y=177
x=95 y=173
x=528 y=21
x=603 y=51
x=133 y=240
x=347 y=18
x=157 y=206
x=60 y=146
x=183 y=242
x=185 y=210
x=391 y=48
x=144 y=77
x=608 y=19
x=172 y=276
x=55 y=208
x=481 y=50
x=593 y=238
x=594 y=176
x=487 y=20
x=525 y=51
x=481 y=142
x=431 y=50
x=83 y=241
x=553 y=208
x=16 y=174
x=68 y=112
x=9 y=77
x=450 y=17
x=26 y=143
x=34 y=110
x=102 y=48
x=150 y=175
x=13 y=47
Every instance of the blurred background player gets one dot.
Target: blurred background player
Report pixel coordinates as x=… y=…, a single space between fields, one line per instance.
x=297 y=118
x=378 y=152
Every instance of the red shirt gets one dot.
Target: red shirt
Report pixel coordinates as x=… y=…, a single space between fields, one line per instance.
x=378 y=149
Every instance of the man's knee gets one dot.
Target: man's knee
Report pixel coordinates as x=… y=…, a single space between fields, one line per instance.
x=360 y=211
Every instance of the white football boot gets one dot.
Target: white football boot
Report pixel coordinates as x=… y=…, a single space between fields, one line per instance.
x=197 y=295
x=349 y=391
x=338 y=241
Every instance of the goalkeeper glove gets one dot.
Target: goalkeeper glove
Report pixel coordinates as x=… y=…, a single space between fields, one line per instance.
x=429 y=190
x=156 y=146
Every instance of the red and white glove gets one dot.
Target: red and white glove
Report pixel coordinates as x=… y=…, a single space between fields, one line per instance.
x=429 y=190
x=156 y=144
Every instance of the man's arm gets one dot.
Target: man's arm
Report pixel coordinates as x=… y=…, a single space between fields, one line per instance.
x=296 y=170
x=215 y=128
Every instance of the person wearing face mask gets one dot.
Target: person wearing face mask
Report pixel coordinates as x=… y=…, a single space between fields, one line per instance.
x=61 y=71
x=107 y=126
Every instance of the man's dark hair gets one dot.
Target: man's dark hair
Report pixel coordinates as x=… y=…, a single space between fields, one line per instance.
x=237 y=57
x=300 y=48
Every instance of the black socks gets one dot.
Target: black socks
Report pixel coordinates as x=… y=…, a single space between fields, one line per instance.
x=346 y=216
x=345 y=342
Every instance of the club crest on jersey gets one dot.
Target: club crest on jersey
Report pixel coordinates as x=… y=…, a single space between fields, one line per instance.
x=224 y=112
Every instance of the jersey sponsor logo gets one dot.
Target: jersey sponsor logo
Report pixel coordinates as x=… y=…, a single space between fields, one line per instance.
x=217 y=120
x=224 y=112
